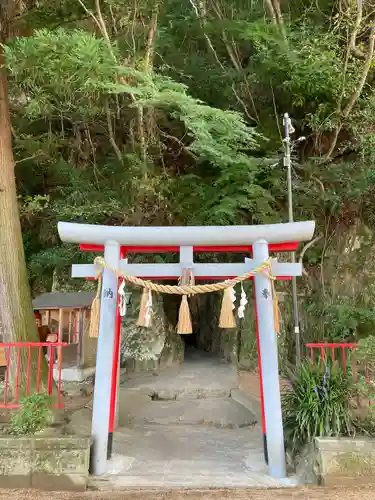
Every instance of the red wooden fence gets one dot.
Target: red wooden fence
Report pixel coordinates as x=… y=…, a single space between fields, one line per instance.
x=334 y=351
x=25 y=382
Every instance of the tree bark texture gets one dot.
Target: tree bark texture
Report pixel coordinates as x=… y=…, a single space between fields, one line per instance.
x=12 y=258
x=20 y=325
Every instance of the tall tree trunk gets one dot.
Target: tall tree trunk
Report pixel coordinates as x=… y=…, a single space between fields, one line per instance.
x=20 y=325
x=12 y=258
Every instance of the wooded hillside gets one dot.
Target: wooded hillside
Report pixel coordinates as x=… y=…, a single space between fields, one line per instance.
x=160 y=112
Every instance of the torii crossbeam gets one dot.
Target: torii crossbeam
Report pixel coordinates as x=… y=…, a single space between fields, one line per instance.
x=186 y=238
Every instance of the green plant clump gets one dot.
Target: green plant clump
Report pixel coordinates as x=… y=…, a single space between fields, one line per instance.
x=317 y=404
x=34 y=415
x=365 y=352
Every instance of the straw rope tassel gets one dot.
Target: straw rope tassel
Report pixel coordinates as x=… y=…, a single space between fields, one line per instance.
x=95 y=311
x=184 y=325
x=275 y=301
x=142 y=320
x=227 y=318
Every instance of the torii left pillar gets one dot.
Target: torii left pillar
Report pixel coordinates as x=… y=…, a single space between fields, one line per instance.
x=104 y=357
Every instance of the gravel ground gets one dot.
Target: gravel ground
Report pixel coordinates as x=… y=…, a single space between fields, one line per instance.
x=365 y=493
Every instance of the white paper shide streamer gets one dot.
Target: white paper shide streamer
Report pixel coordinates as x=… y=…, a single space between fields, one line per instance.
x=148 y=314
x=122 y=304
x=243 y=303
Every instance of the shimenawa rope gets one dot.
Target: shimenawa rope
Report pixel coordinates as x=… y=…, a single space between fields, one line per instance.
x=185 y=289
x=227 y=318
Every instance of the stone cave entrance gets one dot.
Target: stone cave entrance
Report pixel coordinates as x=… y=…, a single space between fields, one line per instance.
x=207 y=339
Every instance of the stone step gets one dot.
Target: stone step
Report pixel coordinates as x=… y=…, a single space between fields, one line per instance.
x=195 y=379
x=137 y=408
x=156 y=393
x=249 y=401
x=178 y=456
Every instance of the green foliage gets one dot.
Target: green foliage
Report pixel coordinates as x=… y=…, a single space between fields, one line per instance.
x=365 y=352
x=77 y=71
x=219 y=141
x=181 y=123
x=309 y=70
x=33 y=416
x=317 y=404
x=342 y=322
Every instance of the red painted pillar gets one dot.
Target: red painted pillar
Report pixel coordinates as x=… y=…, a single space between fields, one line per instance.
x=115 y=370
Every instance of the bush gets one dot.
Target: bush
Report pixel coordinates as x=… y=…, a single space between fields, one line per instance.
x=33 y=416
x=317 y=404
x=365 y=352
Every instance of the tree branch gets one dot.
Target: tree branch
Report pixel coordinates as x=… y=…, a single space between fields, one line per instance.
x=271 y=11
x=356 y=93
x=150 y=39
x=356 y=51
x=99 y=20
x=179 y=142
x=231 y=53
x=274 y=10
x=89 y=13
x=111 y=134
x=279 y=17
x=309 y=245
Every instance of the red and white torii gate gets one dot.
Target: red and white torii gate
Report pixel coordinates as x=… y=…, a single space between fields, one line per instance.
x=118 y=241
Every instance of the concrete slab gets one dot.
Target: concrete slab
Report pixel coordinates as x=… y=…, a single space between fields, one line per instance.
x=201 y=376
x=249 y=401
x=217 y=412
x=217 y=446
x=187 y=457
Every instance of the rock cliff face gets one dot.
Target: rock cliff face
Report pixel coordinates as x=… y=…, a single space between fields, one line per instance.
x=160 y=346
x=155 y=347
x=207 y=334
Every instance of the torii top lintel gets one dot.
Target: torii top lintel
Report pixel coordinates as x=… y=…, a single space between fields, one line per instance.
x=186 y=236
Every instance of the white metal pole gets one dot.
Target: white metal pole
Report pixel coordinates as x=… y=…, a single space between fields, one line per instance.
x=288 y=165
x=270 y=368
x=104 y=360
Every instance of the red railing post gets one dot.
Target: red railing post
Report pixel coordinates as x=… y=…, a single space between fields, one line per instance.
x=344 y=360
x=11 y=400
x=18 y=372
x=50 y=370
x=322 y=352
x=28 y=369
x=343 y=347
x=7 y=378
x=40 y=353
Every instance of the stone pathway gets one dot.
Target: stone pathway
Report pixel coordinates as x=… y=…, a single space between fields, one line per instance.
x=200 y=376
x=181 y=429
x=362 y=493
x=187 y=457
x=218 y=412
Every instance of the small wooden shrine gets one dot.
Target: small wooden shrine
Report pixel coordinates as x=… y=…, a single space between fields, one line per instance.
x=68 y=316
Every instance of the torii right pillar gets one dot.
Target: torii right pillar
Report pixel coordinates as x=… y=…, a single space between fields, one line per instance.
x=270 y=366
